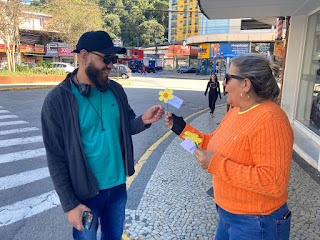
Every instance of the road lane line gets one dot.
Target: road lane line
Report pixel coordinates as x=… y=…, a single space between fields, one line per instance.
x=28 y=208
x=4 y=111
x=8 y=116
x=20 y=141
x=12 y=123
x=18 y=130
x=16 y=156
x=23 y=178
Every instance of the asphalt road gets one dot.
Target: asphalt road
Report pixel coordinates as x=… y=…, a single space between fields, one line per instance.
x=28 y=205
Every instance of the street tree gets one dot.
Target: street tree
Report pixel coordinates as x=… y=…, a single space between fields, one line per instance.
x=150 y=30
x=71 y=18
x=10 y=11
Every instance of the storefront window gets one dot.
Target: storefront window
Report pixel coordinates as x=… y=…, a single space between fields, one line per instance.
x=308 y=108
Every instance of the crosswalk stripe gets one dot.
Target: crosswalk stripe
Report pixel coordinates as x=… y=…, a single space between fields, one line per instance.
x=16 y=156
x=18 y=130
x=23 y=178
x=8 y=116
x=4 y=111
x=28 y=207
x=20 y=141
x=12 y=123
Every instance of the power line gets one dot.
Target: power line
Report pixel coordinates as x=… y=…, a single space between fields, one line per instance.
x=150 y=10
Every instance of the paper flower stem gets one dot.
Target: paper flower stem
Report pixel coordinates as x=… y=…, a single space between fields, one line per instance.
x=196 y=145
x=167 y=108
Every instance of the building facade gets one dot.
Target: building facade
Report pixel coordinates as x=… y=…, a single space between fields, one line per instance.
x=184 y=19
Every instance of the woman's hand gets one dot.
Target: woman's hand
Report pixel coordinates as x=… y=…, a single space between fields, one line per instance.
x=203 y=157
x=168 y=120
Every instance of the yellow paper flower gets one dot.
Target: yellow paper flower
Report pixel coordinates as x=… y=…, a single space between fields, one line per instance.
x=165 y=95
x=193 y=136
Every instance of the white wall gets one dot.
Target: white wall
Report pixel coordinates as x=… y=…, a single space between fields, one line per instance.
x=292 y=73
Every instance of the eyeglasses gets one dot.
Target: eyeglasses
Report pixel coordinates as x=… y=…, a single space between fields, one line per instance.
x=108 y=59
x=228 y=77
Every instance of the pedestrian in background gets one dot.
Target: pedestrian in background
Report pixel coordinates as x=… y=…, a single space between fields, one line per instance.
x=143 y=69
x=87 y=125
x=214 y=90
x=249 y=154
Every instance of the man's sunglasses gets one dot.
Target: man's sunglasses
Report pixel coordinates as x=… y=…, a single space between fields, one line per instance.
x=228 y=77
x=108 y=59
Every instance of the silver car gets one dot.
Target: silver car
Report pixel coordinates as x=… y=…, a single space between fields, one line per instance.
x=120 y=70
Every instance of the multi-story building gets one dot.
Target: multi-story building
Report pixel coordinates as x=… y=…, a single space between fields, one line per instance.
x=184 y=19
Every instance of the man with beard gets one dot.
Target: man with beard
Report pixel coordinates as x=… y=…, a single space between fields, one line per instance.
x=87 y=125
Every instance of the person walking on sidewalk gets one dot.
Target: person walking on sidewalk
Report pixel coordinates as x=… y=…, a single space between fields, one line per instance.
x=214 y=91
x=87 y=125
x=143 y=69
x=249 y=154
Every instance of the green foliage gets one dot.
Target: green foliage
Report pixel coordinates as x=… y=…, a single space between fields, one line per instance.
x=128 y=19
x=131 y=19
x=45 y=64
x=31 y=72
x=151 y=30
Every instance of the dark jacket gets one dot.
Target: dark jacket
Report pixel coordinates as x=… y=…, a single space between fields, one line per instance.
x=214 y=88
x=69 y=169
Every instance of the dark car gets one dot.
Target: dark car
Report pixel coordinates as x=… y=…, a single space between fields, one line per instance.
x=185 y=69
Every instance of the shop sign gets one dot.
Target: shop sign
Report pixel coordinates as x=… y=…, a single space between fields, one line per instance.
x=52 y=50
x=224 y=49
x=135 y=54
x=39 y=48
x=179 y=50
x=27 y=49
x=262 y=48
x=65 y=51
x=204 y=51
x=279 y=50
x=3 y=47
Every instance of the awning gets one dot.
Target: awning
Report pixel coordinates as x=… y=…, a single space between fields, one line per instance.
x=230 y=9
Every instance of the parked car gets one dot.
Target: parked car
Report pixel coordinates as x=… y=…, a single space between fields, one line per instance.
x=120 y=70
x=66 y=67
x=185 y=69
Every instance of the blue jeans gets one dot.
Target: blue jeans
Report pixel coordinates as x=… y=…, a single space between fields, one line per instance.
x=109 y=205
x=275 y=226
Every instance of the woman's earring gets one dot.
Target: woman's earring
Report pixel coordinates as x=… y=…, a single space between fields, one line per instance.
x=241 y=95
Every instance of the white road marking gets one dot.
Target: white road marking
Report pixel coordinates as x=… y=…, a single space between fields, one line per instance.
x=1 y=107
x=18 y=130
x=8 y=116
x=28 y=207
x=4 y=111
x=16 y=156
x=20 y=141
x=23 y=178
x=12 y=123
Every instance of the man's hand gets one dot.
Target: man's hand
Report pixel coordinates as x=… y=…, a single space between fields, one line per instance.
x=203 y=157
x=75 y=216
x=153 y=114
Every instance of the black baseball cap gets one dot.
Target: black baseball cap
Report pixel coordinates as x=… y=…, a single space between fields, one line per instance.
x=99 y=41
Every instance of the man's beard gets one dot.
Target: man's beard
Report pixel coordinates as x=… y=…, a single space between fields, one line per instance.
x=96 y=76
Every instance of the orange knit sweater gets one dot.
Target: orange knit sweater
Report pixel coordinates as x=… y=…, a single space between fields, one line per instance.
x=252 y=159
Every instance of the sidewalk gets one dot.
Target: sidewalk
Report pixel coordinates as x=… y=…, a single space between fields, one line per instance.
x=176 y=200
